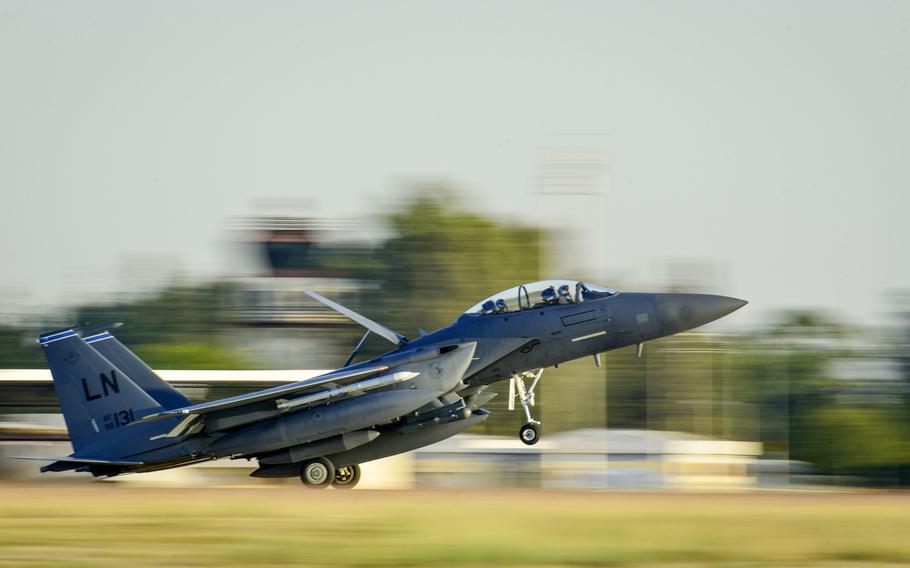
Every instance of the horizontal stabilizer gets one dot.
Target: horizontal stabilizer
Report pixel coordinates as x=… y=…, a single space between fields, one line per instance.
x=377 y=328
x=80 y=461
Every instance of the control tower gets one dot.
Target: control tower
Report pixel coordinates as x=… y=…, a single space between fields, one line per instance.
x=269 y=313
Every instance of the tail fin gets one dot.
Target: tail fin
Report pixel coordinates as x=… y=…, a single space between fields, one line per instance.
x=141 y=374
x=96 y=397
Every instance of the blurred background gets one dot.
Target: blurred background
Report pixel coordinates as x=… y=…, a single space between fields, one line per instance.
x=189 y=168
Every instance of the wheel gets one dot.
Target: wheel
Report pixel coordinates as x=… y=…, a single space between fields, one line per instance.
x=347 y=477
x=529 y=434
x=317 y=473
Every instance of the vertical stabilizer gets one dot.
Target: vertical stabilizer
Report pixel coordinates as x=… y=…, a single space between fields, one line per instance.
x=141 y=374
x=97 y=398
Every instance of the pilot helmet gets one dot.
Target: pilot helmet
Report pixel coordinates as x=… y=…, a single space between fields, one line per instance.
x=487 y=307
x=548 y=293
x=500 y=305
x=563 y=291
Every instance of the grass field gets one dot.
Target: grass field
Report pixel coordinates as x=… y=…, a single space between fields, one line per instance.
x=113 y=525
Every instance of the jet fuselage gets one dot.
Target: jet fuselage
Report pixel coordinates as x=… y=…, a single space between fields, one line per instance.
x=550 y=334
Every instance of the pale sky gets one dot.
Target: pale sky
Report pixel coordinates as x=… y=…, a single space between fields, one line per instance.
x=769 y=138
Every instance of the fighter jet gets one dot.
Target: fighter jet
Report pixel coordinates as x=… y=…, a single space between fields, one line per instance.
x=123 y=418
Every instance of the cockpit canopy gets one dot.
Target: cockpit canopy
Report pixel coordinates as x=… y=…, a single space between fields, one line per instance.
x=540 y=294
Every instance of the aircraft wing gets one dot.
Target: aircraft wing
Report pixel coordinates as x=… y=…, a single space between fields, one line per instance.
x=267 y=394
x=377 y=328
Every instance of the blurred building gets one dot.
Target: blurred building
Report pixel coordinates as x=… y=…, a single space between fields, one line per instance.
x=590 y=459
x=269 y=315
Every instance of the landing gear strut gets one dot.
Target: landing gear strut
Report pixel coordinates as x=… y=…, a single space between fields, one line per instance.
x=347 y=477
x=529 y=433
x=317 y=473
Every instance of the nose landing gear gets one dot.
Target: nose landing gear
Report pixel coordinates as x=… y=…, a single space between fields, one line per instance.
x=529 y=433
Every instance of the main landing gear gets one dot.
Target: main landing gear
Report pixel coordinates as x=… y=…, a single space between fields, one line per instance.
x=319 y=473
x=347 y=477
x=529 y=433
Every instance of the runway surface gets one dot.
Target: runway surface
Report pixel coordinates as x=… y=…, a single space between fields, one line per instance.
x=108 y=524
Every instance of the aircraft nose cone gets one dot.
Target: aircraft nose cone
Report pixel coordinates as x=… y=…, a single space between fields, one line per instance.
x=679 y=312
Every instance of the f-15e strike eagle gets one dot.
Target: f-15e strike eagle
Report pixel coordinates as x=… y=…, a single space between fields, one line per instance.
x=123 y=418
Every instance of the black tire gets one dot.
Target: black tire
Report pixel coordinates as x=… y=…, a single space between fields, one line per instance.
x=529 y=434
x=317 y=473
x=347 y=477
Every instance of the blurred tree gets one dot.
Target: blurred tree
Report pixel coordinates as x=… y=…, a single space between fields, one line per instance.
x=17 y=350
x=177 y=328
x=189 y=356
x=627 y=395
x=784 y=372
x=845 y=439
x=900 y=348
x=176 y=314
x=441 y=261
